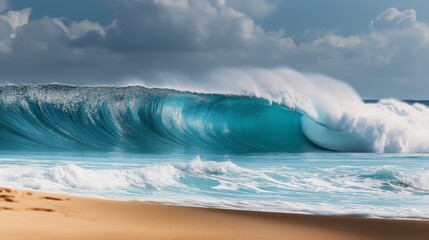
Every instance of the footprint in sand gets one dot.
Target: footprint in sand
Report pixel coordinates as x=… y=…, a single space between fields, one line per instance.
x=6 y=208
x=42 y=209
x=7 y=198
x=7 y=190
x=54 y=198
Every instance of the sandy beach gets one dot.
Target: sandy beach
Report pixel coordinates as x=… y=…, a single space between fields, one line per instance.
x=36 y=215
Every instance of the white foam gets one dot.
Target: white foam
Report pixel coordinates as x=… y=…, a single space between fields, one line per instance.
x=388 y=126
x=403 y=212
x=198 y=166
x=72 y=176
x=319 y=96
x=417 y=181
x=371 y=191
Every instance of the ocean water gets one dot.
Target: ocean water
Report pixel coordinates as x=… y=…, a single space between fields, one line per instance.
x=282 y=150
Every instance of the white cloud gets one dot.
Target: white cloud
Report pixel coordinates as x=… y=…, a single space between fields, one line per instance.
x=254 y=8
x=192 y=36
x=178 y=4
x=398 y=34
x=17 y=19
x=390 y=59
x=79 y=29
x=392 y=35
x=201 y=25
x=9 y=23
x=339 y=41
x=392 y=18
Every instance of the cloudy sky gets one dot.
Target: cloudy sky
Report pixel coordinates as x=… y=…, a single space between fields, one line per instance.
x=380 y=47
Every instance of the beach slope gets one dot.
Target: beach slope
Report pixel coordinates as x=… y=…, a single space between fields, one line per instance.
x=36 y=215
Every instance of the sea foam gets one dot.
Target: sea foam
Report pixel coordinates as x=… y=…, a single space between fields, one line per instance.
x=345 y=184
x=70 y=176
x=242 y=110
x=335 y=117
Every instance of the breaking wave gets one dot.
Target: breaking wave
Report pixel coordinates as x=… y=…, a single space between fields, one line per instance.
x=337 y=190
x=232 y=111
x=71 y=176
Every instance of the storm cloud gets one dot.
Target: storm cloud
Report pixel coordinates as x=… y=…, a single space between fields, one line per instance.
x=146 y=39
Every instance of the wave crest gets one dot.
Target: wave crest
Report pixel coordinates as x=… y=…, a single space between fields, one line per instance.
x=56 y=117
x=277 y=110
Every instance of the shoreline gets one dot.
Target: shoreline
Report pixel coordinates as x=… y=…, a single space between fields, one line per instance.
x=28 y=214
x=186 y=203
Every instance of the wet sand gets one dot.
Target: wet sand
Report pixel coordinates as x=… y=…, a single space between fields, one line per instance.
x=36 y=215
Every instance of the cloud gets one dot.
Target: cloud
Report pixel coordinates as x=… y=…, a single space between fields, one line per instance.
x=392 y=18
x=4 y=5
x=389 y=59
x=5 y=33
x=79 y=29
x=9 y=23
x=393 y=35
x=194 y=25
x=177 y=4
x=146 y=37
x=254 y=8
x=149 y=38
x=338 y=41
x=17 y=19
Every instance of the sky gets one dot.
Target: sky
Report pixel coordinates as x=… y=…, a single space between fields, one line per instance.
x=379 y=47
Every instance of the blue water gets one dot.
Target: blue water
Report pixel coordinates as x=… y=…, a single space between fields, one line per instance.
x=370 y=185
x=210 y=150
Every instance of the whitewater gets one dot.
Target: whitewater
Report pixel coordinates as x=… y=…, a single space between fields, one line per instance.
x=256 y=139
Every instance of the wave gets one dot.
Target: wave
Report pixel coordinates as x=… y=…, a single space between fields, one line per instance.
x=338 y=190
x=395 y=179
x=69 y=176
x=138 y=119
x=289 y=112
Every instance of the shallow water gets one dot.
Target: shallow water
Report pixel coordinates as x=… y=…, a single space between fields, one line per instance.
x=361 y=184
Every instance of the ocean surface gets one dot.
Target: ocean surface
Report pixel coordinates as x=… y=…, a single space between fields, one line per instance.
x=276 y=150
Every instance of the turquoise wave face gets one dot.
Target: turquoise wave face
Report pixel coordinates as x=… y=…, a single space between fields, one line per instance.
x=137 y=119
